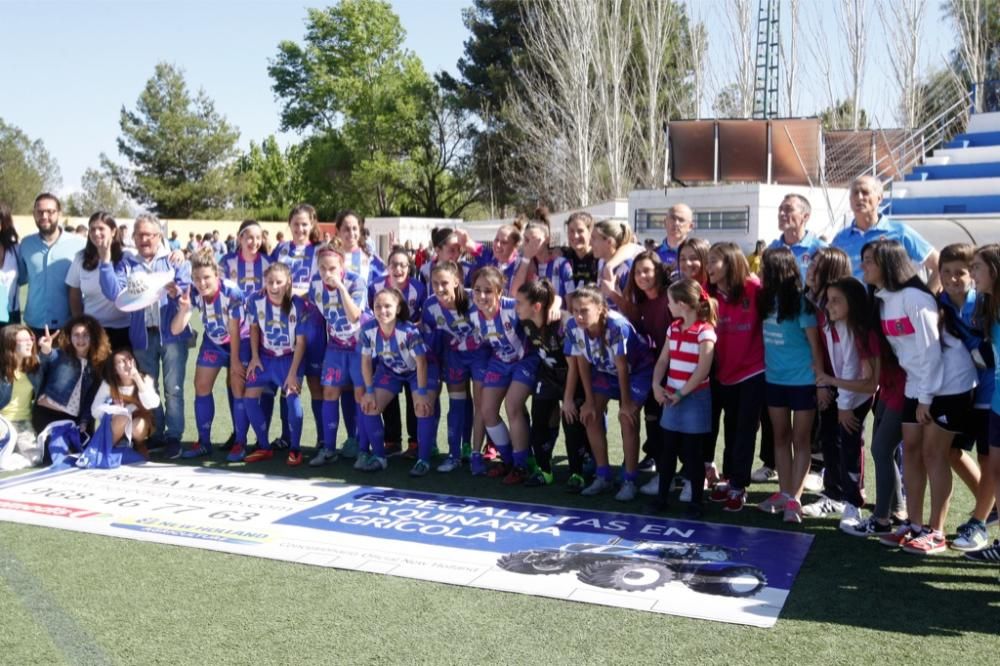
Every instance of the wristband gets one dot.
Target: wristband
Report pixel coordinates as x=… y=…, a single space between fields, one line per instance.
x=370 y=390
x=421 y=391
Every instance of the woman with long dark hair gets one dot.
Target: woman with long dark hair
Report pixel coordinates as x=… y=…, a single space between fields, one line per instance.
x=10 y=309
x=84 y=282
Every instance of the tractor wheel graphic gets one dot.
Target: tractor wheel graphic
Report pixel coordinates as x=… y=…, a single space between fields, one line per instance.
x=533 y=562
x=735 y=582
x=626 y=575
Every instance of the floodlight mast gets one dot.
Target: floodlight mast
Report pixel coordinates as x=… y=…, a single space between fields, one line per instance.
x=765 y=92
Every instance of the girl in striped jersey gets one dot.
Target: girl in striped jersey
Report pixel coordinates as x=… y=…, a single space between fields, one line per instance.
x=685 y=362
x=509 y=378
x=246 y=266
x=394 y=353
x=339 y=296
x=540 y=262
x=503 y=255
x=225 y=344
x=449 y=245
x=277 y=349
x=446 y=320
x=612 y=362
x=299 y=254
x=414 y=293
x=350 y=233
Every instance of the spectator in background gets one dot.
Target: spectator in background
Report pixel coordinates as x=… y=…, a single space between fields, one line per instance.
x=265 y=245
x=81 y=230
x=678 y=225
x=869 y=224
x=793 y=215
x=279 y=238
x=42 y=265
x=174 y=243
x=754 y=259
x=10 y=309
x=218 y=247
x=230 y=244
x=192 y=245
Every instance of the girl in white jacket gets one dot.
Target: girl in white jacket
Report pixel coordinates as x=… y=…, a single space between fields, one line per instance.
x=940 y=376
x=124 y=386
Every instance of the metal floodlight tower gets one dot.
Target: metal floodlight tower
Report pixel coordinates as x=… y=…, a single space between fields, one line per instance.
x=765 y=91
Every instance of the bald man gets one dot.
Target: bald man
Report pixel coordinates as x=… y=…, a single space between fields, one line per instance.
x=678 y=224
x=869 y=224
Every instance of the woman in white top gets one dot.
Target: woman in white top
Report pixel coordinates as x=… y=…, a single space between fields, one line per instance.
x=10 y=309
x=124 y=386
x=83 y=279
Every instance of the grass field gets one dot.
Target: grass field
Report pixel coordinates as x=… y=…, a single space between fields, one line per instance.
x=83 y=599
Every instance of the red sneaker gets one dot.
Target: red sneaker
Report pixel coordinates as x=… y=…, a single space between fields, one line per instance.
x=927 y=542
x=516 y=476
x=720 y=492
x=259 y=455
x=412 y=451
x=735 y=500
x=490 y=452
x=497 y=471
x=294 y=458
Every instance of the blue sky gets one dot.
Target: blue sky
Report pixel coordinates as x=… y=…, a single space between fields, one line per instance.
x=67 y=67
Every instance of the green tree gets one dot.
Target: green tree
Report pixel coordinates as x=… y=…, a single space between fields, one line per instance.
x=486 y=80
x=841 y=116
x=26 y=168
x=98 y=191
x=180 y=152
x=357 y=92
x=270 y=176
x=442 y=181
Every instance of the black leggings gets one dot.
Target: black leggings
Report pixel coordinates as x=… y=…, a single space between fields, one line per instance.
x=742 y=404
x=393 y=422
x=688 y=447
x=577 y=444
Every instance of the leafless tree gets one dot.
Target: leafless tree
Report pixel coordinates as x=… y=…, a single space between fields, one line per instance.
x=903 y=23
x=611 y=66
x=656 y=23
x=698 y=40
x=790 y=56
x=555 y=112
x=739 y=26
x=970 y=17
x=853 y=19
x=817 y=42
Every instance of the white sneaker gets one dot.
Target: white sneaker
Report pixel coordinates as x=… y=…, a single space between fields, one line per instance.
x=651 y=487
x=597 y=487
x=322 y=457
x=627 y=492
x=814 y=482
x=449 y=465
x=823 y=507
x=850 y=518
x=685 y=495
x=764 y=474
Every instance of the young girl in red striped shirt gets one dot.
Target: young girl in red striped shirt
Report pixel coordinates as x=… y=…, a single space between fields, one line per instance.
x=685 y=362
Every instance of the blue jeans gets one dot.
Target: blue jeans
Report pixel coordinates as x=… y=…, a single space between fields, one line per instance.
x=173 y=356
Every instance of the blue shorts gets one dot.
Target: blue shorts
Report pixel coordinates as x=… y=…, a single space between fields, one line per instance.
x=342 y=367
x=275 y=372
x=795 y=398
x=214 y=355
x=640 y=384
x=389 y=381
x=692 y=415
x=314 y=330
x=500 y=374
x=461 y=365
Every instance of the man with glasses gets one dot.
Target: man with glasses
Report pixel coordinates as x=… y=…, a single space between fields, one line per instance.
x=45 y=259
x=678 y=223
x=153 y=343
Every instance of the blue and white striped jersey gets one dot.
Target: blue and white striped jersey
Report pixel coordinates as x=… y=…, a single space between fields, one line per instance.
x=397 y=351
x=301 y=259
x=227 y=304
x=341 y=331
x=559 y=272
x=248 y=275
x=414 y=293
x=502 y=332
x=456 y=327
x=277 y=329
x=620 y=339
x=369 y=267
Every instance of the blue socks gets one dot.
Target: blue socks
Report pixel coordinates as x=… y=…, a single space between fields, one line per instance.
x=241 y=423
x=258 y=420
x=294 y=411
x=376 y=433
x=204 y=414
x=330 y=415
x=521 y=458
x=317 y=410
x=456 y=423
x=426 y=430
x=351 y=411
